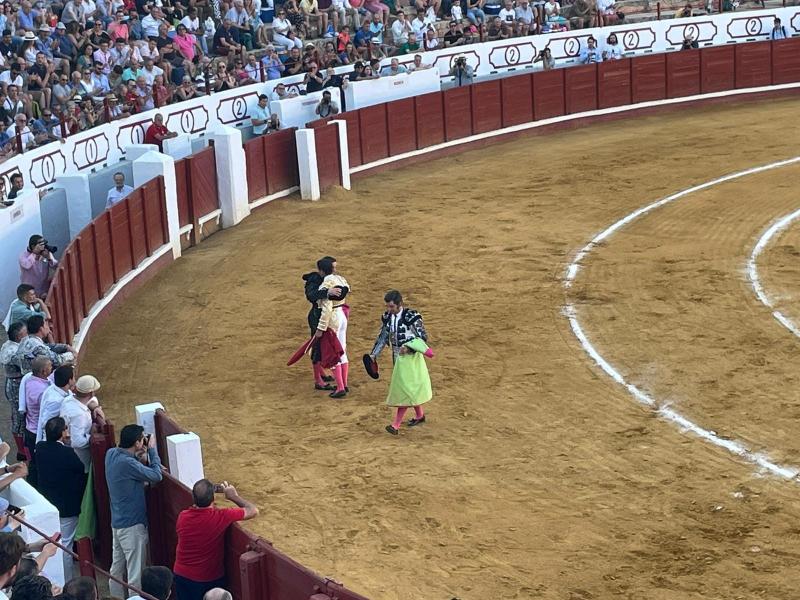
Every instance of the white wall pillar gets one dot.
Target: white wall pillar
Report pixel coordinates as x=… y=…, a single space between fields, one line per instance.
x=79 y=201
x=146 y=415
x=344 y=152
x=149 y=166
x=134 y=151
x=307 y=164
x=42 y=515
x=231 y=178
x=185 y=458
x=177 y=147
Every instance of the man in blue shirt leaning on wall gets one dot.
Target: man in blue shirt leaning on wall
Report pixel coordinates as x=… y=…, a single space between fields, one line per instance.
x=128 y=468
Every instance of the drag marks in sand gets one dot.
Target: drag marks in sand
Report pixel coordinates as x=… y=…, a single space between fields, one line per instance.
x=662 y=409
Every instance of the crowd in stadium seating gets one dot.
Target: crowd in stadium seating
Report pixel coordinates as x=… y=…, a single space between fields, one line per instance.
x=54 y=413
x=66 y=66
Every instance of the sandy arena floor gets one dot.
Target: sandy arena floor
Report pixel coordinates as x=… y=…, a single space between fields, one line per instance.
x=536 y=475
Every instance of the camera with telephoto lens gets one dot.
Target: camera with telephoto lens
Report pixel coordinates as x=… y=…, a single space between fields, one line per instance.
x=49 y=248
x=461 y=61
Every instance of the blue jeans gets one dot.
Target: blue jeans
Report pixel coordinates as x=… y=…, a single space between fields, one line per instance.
x=476 y=14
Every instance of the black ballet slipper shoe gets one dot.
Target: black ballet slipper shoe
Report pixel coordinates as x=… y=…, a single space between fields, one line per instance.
x=339 y=394
x=414 y=422
x=325 y=387
x=392 y=430
x=327 y=378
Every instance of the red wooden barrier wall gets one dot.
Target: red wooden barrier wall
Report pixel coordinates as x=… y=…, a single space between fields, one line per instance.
x=326 y=141
x=487 y=106
x=196 y=183
x=429 y=109
x=203 y=168
x=401 y=121
x=614 y=83
x=457 y=113
x=271 y=163
x=648 y=78
x=373 y=135
x=112 y=245
x=517 y=106
x=786 y=61
x=99 y=444
x=683 y=73
x=184 y=191
x=353 y=137
x=717 y=69
x=280 y=154
x=580 y=84
x=255 y=168
x=548 y=94
x=753 y=65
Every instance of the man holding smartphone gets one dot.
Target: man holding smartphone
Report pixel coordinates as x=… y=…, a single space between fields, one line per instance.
x=199 y=556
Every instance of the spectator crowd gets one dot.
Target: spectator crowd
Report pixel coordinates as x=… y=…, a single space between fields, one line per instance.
x=54 y=412
x=66 y=66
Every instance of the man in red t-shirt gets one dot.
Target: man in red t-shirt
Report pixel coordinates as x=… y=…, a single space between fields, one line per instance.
x=199 y=557
x=158 y=132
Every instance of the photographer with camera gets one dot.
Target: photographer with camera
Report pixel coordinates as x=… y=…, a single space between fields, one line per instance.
x=461 y=71
x=326 y=106
x=126 y=476
x=199 y=556
x=35 y=264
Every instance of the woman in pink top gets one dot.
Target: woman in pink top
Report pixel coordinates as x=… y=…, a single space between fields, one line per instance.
x=185 y=42
x=118 y=29
x=34 y=265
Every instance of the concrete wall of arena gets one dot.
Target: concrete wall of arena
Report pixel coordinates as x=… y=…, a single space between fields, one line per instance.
x=176 y=201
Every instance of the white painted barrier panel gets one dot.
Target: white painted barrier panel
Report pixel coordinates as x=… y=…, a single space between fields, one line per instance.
x=42 y=515
x=307 y=167
x=359 y=94
x=146 y=414
x=17 y=224
x=178 y=147
x=185 y=458
x=297 y=111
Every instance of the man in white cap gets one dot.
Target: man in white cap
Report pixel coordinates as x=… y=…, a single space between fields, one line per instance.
x=79 y=411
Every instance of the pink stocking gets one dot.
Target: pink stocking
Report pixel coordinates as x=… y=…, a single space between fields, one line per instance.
x=345 y=371
x=337 y=375
x=398 y=418
x=318 y=373
x=418 y=412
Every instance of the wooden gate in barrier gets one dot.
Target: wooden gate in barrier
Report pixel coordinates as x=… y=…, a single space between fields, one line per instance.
x=198 y=198
x=271 y=163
